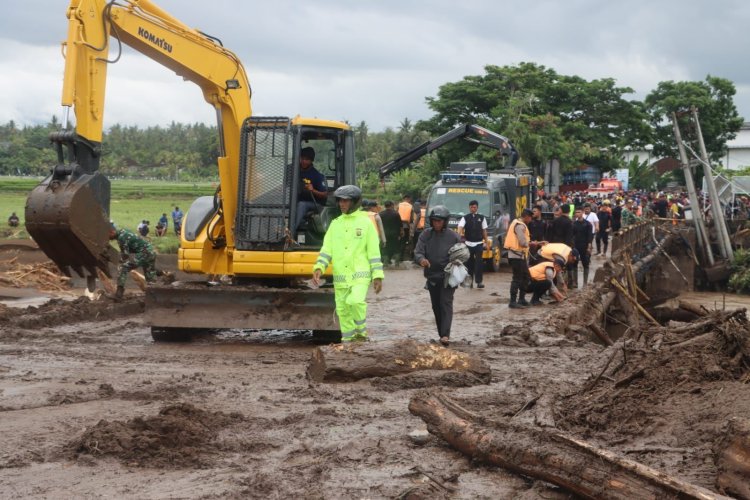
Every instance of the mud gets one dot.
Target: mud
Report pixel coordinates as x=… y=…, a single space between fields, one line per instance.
x=90 y=406
x=179 y=436
x=668 y=405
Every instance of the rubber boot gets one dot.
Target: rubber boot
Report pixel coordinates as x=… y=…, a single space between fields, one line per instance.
x=585 y=275
x=605 y=249
x=120 y=293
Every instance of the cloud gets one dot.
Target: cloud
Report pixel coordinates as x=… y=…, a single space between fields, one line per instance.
x=378 y=61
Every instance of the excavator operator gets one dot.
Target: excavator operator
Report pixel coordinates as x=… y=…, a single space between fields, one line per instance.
x=313 y=192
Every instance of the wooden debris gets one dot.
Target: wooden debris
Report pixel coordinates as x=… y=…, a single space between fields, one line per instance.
x=355 y=361
x=549 y=455
x=633 y=301
x=44 y=276
x=733 y=460
x=688 y=306
x=139 y=279
x=107 y=283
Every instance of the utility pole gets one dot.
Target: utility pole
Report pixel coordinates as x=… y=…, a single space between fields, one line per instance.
x=700 y=229
x=725 y=244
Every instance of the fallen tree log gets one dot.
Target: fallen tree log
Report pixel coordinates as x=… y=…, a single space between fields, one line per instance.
x=356 y=361
x=549 y=455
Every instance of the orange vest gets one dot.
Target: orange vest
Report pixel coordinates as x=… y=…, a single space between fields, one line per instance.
x=511 y=240
x=404 y=210
x=538 y=271
x=421 y=218
x=549 y=251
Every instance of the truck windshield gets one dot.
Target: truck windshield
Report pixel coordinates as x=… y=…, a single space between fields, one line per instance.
x=456 y=199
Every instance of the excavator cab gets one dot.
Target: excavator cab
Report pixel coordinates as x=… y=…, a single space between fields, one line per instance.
x=271 y=186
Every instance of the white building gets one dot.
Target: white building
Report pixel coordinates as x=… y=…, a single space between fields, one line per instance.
x=738 y=149
x=736 y=158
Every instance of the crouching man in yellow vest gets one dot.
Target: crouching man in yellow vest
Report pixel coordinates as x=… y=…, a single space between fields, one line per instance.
x=352 y=244
x=542 y=279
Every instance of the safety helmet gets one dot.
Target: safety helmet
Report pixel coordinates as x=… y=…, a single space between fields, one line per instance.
x=349 y=192
x=607 y=202
x=439 y=212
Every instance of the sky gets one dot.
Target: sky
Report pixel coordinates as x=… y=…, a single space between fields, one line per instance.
x=378 y=61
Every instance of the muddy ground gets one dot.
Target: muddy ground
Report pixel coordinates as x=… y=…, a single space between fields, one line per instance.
x=90 y=406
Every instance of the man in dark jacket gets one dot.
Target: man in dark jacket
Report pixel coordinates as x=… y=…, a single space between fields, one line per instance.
x=561 y=228
x=392 y=228
x=432 y=254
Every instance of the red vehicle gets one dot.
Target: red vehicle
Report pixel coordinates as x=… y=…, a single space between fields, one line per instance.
x=606 y=186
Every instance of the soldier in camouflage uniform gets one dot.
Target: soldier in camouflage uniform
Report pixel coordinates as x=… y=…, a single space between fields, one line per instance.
x=130 y=244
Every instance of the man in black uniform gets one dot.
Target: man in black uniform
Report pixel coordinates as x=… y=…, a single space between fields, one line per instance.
x=538 y=231
x=617 y=216
x=392 y=228
x=561 y=228
x=473 y=228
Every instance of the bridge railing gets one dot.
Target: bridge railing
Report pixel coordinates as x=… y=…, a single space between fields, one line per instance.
x=633 y=239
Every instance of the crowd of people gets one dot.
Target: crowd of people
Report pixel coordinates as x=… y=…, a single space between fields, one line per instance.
x=544 y=246
x=162 y=225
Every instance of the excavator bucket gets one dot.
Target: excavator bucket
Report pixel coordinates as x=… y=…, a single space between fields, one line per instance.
x=198 y=305
x=68 y=220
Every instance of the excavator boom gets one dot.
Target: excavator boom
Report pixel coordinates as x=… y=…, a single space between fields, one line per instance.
x=468 y=132
x=68 y=213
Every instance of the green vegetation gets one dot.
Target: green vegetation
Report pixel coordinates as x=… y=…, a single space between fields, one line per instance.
x=546 y=115
x=132 y=202
x=740 y=279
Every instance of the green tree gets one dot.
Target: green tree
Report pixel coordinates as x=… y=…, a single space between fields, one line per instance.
x=718 y=115
x=546 y=115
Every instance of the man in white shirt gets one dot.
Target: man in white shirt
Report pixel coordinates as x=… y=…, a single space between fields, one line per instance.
x=473 y=228
x=591 y=216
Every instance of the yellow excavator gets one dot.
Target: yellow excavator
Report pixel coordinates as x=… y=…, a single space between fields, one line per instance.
x=250 y=253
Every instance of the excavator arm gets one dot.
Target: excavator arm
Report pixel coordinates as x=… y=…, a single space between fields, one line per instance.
x=468 y=132
x=68 y=213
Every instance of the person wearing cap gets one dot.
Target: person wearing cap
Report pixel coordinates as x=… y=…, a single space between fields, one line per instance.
x=628 y=214
x=518 y=243
x=143 y=256
x=351 y=244
x=432 y=254
x=543 y=276
x=313 y=192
